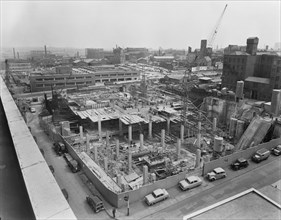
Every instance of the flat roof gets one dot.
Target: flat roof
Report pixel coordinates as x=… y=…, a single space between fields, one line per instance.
x=45 y=195
x=249 y=204
x=257 y=80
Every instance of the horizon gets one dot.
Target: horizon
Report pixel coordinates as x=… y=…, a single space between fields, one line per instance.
x=149 y=24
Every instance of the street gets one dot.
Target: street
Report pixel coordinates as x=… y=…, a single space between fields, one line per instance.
x=77 y=190
x=265 y=174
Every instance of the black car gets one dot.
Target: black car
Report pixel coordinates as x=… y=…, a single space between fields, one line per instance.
x=240 y=164
x=276 y=150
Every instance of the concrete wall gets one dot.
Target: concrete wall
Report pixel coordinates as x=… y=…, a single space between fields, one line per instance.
x=227 y=160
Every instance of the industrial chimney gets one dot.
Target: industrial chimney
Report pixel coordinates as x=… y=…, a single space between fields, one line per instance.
x=45 y=48
x=14 y=53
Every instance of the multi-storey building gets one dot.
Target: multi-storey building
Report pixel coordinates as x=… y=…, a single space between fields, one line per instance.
x=18 y=66
x=259 y=70
x=94 y=53
x=81 y=77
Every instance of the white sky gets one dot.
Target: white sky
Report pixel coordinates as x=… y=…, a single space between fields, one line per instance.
x=151 y=24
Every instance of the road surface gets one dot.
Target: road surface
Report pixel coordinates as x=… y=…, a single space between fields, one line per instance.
x=263 y=175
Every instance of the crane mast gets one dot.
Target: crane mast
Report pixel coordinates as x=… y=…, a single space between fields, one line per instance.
x=215 y=30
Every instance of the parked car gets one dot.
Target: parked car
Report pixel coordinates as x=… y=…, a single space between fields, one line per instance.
x=65 y=193
x=95 y=203
x=260 y=155
x=190 y=182
x=276 y=150
x=239 y=164
x=72 y=163
x=156 y=196
x=216 y=174
x=59 y=148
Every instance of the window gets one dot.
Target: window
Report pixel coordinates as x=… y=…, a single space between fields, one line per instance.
x=71 y=83
x=39 y=79
x=112 y=74
x=80 y=83
x=89 y=82
x=277 y=78
x=88 y=77
x=39 y=85
x=60 y=78
x=49 y=79
x=79 y=77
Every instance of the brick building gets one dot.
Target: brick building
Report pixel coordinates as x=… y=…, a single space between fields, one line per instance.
x=261 y=71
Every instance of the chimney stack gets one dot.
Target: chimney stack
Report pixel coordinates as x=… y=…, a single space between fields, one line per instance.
x=45 y=48
x=14 y=53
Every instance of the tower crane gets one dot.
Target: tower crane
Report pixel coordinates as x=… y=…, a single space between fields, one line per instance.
x=213 y=34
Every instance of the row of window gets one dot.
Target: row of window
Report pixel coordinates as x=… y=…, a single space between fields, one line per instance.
x=83 y=83
x=87 y=77
x=233 y=60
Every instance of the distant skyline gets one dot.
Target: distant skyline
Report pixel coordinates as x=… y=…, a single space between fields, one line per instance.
x=151 y=24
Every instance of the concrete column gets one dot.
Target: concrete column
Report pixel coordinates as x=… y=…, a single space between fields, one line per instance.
x=199 y=126
x=117 y=148
x=120 y=128
x=130 y=161
x=275 y=101
x=198 y=156
x=130 y=133
x=141 y=141
x=199 y=140
x=178 y=148
x=107 y=140
x=163 y=138
x=182 y=133
x=81 y=132
x=188 y=132
x=168 y=125
x=119 y=182
x=214 y=124
x=150 y=129
x=87 y=143
x=105 y=160
x=99 y=128
x=145 y=174
x=96 y=153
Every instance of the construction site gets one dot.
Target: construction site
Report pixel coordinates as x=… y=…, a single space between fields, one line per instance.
x=133 y=136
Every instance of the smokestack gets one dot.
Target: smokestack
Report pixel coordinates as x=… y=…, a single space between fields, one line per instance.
x=18 y=55
x=14 y=53
x=45 y=48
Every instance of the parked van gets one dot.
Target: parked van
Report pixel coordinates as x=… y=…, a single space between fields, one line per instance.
x=260 y=155
x=95 y=202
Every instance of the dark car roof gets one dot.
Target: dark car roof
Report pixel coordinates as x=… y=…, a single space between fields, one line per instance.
x=95 y=199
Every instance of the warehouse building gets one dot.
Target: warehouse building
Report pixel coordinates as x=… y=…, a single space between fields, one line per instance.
x=80 y=77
